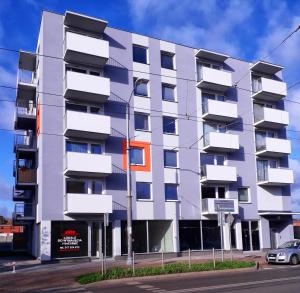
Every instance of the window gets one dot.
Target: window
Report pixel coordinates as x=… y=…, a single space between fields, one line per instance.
x=141 y=121
x=243 y=194
x=167 y=60
x=96 y=149
x=75 y=107
x=170 y=158
x=97 y=187
x=143 y=190
x=170 y=191
x=141 y=88
x=73 y=186
x=96 y=110
x=213 y=192
x=220 y=160
x=137 y=156
x=77 y=147
x=168 y=92
x=169 y=125
x=139 y=54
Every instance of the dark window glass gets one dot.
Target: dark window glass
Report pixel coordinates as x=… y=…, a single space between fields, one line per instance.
x=75 y=186
x=189 y=235
x=243 y=194
x=140 y=54
x=170 y=191
x=208 y=192
x=96 y=110
x=211 y=235
x=143 y=190
x=169 y=125
x=167 y=60
x=96 y=149
x=74 y=107
x=97 y=187
x=74 y=69
x=255 y=235
x=170 y=158
x=136 y=156
x=220 y=160
x=77 y=147
x=221 y=192
x=141 y=89
x=141 y=121
x=168 y=92
x=95 y=73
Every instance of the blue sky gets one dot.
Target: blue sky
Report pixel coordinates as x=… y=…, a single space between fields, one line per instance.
x=244 y=29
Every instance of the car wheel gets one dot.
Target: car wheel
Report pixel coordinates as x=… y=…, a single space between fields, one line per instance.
x=294 y=260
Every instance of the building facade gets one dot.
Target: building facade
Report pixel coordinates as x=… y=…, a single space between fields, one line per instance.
x=206 y=130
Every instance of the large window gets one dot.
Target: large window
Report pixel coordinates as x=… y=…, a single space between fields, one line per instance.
x=168 y=92
x=139 y=54
x=169 y=125
x=96 y=149
x=75 y=186
x=213 y=191
x=141 y=121
x=167 y=60
x=136 y=156
x=170 y=158
x=141 y=88
x=171 y=191
x=243 y=194
x=143 y=190
x=77 y=147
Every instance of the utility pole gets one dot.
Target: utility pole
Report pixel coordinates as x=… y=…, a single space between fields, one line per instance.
x=128 y=173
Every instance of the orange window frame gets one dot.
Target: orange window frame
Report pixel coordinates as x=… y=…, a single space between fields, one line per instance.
x=147 y=157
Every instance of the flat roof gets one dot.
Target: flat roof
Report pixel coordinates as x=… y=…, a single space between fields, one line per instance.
x=85 y=22
x=211 y=55
x=266 y=67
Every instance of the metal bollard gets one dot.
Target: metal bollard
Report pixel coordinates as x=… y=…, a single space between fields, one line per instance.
x=162 y=259
x=189 y=258
x=102 y=264
x=133 y=267
x=214 y=259
x=13 y=267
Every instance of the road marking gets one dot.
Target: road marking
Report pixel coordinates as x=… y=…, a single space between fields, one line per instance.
x=133 y=283
x=145 y=287
x=235 y=285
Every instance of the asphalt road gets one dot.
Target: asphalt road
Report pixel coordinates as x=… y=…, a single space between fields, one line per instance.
x=272 y=279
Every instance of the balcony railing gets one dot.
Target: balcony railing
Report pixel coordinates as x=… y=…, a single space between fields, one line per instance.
x=24 y=141
x=26 y=76
x=21 y=195
x=23 y=211
x=26 y=111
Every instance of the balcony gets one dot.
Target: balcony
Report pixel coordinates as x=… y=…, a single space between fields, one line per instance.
x=223 y=142
x=24 y=143
x=84 y=49
x=84 y=164
x=268 y=89
x=85 y=87
x=273 y=147
x=25 y=177
x=26 y=87
x=218 y=174
x=22 y=195
x=214 y=79
x=25 y=116
x=91 y=204
x=275 y=176
x=210 y=205
x=270 y=118
x=219 y=111
x=23 y=212
x=87 y=125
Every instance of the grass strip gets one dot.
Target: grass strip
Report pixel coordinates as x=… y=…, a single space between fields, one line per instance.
x=174 y=268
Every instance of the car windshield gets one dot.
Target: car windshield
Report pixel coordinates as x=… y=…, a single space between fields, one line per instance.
x=289 y=244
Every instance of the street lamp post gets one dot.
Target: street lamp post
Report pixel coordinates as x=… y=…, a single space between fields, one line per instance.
x=128 y=171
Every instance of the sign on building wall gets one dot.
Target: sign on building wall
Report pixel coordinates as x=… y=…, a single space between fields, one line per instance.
x=69 y=239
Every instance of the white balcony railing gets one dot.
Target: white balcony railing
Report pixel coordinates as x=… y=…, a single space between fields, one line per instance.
x=219 y=110
x=275 y=176
x=218 y=173
x=273 y=147
x=87 y=125
x=217 y=141
x=85 y=49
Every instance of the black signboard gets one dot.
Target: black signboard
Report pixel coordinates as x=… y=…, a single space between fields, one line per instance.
x=69 y=239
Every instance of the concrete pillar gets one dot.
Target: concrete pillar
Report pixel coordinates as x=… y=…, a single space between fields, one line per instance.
x=238 y=235
x=264 y=233
x=45 y=240
x=89 y=239
x=176 y=245
x=116 y=231
x=226 y=236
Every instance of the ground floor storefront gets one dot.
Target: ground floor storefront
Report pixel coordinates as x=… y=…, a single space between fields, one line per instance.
x=91 y=238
